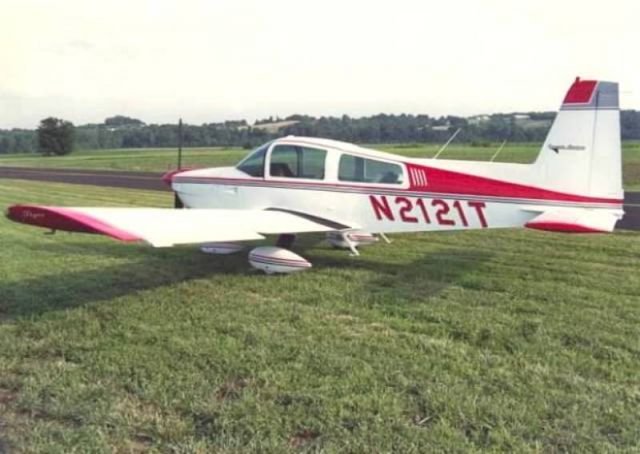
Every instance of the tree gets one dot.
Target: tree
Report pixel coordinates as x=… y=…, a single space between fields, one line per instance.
x=55 y=136
x=121 y=120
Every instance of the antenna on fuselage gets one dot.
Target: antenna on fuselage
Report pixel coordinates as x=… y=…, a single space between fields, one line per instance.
x=453 y=136
x=495 y=155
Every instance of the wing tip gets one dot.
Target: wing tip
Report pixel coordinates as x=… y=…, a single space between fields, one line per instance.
x=66 y=219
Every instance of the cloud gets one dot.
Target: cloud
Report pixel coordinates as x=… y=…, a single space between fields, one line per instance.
x=212 y=60
x=81 y=45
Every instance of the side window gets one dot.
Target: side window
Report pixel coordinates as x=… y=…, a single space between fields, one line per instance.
x=254 y=163
x=363 y=170
x=293 y=161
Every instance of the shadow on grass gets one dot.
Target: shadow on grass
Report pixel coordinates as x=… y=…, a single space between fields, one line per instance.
x=412 y=282
x=155 y=268
x=149 y=269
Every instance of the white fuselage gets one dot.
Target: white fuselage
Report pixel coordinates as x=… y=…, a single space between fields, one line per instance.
x=431 y=196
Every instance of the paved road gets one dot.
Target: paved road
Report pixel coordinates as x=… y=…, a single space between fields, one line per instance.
x=117 y=179
x=153 y=181
x=631 y=219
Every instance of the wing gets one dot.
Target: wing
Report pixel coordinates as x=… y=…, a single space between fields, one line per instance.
x=167 y=227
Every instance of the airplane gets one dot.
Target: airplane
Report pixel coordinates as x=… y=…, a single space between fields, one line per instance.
x=298 y=185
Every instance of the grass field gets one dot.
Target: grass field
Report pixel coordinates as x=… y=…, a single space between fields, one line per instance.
x=516 y=341
x=161 y=160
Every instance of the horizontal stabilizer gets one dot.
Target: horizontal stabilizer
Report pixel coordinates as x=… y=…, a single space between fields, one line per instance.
x=576 y=220
x=167 y=227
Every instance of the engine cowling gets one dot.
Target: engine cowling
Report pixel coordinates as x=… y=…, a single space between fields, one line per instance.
x=271 y=259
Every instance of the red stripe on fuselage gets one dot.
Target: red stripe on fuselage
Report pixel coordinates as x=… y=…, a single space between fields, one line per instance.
x=451 y=182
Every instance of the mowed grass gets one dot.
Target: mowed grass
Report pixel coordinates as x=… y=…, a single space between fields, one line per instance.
x=163 y=159
x=516 y=341
x=134 y=159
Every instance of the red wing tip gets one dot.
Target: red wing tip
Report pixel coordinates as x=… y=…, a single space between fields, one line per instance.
x=26 y=214
x=65 y=219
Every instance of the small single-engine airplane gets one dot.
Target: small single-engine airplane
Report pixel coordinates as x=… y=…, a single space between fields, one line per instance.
x=297 y=185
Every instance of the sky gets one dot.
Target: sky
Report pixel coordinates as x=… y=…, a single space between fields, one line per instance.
x=215 y=60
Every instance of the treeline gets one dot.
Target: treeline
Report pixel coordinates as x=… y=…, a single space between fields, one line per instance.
x=124 y=132
x=104 y=136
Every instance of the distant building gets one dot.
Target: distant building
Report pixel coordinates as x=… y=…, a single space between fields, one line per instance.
x=275 y=126
x=477 y=119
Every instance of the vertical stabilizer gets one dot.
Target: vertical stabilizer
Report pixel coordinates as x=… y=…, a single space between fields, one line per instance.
x=582 y=153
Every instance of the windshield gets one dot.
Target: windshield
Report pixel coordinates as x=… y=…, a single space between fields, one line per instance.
x=253 y=164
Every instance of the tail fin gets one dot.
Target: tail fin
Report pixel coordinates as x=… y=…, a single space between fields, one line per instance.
x=582 y=152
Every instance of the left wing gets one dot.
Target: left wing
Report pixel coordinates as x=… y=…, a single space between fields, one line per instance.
x=162 y=227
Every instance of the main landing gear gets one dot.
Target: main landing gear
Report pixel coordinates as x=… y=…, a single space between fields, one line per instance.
x=280 y=259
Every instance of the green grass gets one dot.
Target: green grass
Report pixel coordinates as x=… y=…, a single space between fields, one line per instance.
x=163 y=159
x=516 y=341
x=523 y=153
x=138 y=159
